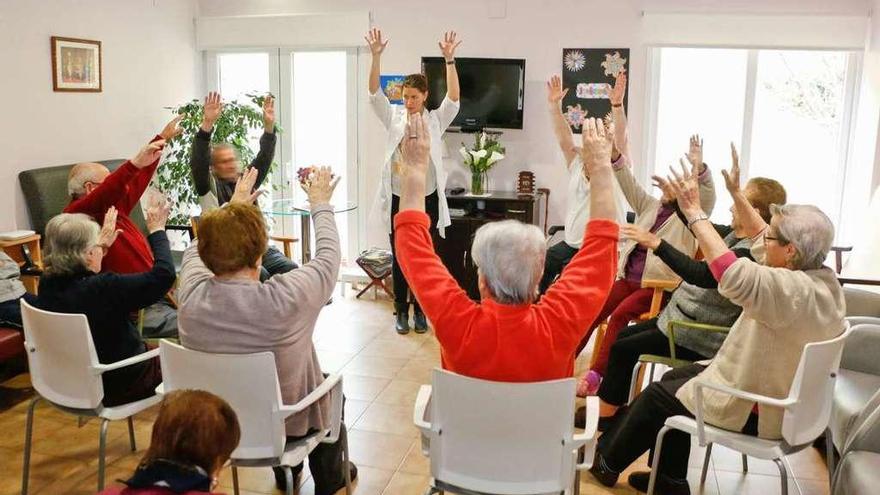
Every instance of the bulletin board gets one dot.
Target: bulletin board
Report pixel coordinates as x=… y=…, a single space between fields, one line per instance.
x=589 y=73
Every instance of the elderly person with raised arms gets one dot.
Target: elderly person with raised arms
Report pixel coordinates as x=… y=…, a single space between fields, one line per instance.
x=73 y=282
x=224 y=308
x=788 y=302
x=630 y=297
x=507 y=336
x=578 y=190
x=94 y=190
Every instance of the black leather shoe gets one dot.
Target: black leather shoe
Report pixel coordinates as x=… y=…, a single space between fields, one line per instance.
x=419 y=321
x=602 y=473
x=402 y=323
x=664 y=485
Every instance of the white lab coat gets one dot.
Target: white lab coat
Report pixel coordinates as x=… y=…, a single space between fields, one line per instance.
x=394 y=118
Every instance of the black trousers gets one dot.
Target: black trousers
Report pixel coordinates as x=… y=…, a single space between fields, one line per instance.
x=636 y=432
x=632 y=342
x=325 y=464
x=558 y=256
x=401 y=287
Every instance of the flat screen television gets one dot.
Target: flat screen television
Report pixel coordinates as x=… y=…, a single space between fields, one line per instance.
x=491 y=90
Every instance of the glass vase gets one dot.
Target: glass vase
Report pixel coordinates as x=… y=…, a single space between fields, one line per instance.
x=479 y=182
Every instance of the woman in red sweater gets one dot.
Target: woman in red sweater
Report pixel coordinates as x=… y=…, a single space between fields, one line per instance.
x=507 y=336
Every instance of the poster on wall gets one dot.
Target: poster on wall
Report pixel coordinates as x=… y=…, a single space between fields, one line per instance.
x=392 y=86
x=589 y=73
x=76 y=64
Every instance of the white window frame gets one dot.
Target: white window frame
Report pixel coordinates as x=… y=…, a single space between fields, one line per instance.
x=281 y=85
x=844 y=232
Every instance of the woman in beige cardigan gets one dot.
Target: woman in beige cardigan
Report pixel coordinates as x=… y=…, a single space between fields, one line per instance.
x=788 y=302
x=224 y=308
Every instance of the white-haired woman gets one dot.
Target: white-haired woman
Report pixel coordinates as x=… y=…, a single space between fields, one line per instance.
x=788 y=302
x=73 y=283
x=507 y=337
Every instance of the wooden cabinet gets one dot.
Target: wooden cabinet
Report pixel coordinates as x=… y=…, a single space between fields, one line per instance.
x=473 y=212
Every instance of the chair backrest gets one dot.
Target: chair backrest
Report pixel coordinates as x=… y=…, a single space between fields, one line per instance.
x=45 y=193
x=861 y=302
x=62 y=358
x=248 y=382
x=495 y=437
x=862 y=348
x=812 y=388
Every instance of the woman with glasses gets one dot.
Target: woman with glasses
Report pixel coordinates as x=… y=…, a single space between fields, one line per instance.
x=788 y=301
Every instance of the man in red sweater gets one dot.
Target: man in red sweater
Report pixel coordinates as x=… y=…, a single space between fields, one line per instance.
x=93 y=190
x=507 y=336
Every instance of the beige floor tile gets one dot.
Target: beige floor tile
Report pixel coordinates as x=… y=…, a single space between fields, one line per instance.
x=383 y=418
x=393 y=347
x=363 y=387
x=332 y=361
x=354 y=409
x=378 y=450
x=809 y=464
x=418 y=370
x=728 y=460
x=406 y=484
x=379 y=367
x=415 y=462
x=400 y=393
x=730 y=483
x=257 y=480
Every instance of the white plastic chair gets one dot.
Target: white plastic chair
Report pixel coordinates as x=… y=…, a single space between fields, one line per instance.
x=503 y=438
x=65 y=372
x=807 y=410
x=249 y=383
x=857 y=390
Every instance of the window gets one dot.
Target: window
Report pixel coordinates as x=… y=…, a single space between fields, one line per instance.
x=316 y=105
x=787 y=111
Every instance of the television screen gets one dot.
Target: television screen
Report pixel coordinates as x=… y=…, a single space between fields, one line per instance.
x=491 y=90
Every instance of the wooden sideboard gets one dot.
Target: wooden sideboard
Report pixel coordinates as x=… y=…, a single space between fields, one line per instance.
x=455 y=249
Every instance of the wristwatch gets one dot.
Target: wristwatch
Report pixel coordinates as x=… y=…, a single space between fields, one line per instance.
x=450 y=62
x=701 y=216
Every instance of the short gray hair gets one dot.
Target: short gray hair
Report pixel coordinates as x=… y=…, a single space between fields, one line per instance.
x=79 y=175
x=68 y=237
x=808 y=229
x=224 y=146
x=510 y=256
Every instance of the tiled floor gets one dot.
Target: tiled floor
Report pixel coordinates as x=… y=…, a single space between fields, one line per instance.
x=382 y=373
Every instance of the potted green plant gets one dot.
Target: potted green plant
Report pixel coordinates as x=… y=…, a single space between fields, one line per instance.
x=233 y=126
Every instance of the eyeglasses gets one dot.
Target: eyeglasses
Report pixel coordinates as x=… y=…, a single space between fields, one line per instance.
x=768 y=238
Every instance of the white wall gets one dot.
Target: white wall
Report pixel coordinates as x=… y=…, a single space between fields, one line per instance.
x=534 y=30
x=150 y=62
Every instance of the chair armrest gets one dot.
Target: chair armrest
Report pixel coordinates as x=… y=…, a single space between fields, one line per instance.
x=420 y=408
x=588 y=437
x=554 y=229
x=670 y=328
x=103 y=368
x=861 y=320
x=323 y=389
x=757 y=398
x=660 y=284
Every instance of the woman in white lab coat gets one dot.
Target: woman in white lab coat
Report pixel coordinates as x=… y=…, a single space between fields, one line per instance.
x=394 y=118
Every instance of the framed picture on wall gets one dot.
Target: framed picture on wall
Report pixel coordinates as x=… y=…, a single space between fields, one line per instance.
x=76 y=65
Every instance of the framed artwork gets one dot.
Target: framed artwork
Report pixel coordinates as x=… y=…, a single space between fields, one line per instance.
x=392 y=86
x=76 y=65
x=589 y=73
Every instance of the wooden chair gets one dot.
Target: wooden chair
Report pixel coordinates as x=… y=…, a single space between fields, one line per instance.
x=286 y=241
x=659 y=286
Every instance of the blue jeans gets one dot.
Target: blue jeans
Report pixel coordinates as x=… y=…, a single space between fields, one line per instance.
x=274 y=262
x=10 y=311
